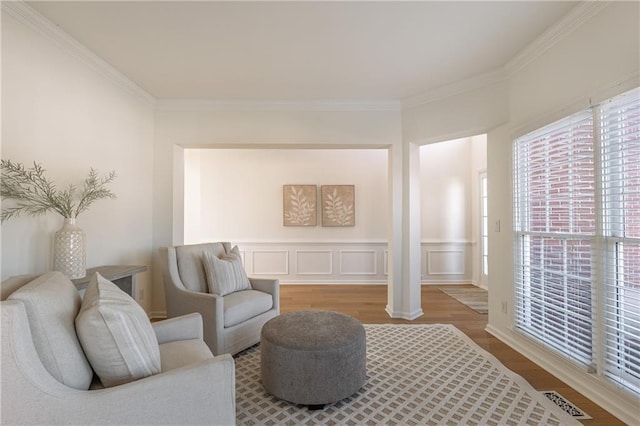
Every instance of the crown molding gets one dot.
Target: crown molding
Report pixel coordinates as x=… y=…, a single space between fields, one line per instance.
x=317 y=105
x=557 y=32
x=28 y=16
x=476 y=82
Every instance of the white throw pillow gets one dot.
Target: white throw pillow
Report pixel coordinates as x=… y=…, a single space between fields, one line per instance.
x=225 y=274
x=116 y=334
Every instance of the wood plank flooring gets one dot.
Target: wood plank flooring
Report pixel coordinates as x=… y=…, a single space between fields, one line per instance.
x=367 y=303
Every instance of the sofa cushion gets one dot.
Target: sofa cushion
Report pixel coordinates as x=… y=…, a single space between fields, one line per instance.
x=116 y=334
x=190 y=266
x=181 y=353
x=52 y=302
x=225 y=273
x=244 y=305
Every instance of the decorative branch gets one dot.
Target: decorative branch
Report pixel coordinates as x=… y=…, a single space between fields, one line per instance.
x=33 y=194
x=301 y=208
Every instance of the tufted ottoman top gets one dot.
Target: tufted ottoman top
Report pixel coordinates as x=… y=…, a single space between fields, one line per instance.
x=312 y=330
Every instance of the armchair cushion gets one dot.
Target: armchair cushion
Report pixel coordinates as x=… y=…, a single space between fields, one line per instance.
x=51 y=302
x=244 y=305
x=225 y=273
x=116 y=334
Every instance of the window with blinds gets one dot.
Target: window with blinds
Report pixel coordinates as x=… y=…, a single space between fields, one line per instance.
x=577 y=227
x=619 y=131
x=555 y=227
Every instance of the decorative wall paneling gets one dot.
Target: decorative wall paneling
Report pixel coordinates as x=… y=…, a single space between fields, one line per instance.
x=363 y=262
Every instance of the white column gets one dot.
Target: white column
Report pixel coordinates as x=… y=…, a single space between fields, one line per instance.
x=403 y=291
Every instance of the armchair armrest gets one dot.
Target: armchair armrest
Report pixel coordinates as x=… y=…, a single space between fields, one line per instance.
x=186 y=327
x=204 y=391
x=268 y=285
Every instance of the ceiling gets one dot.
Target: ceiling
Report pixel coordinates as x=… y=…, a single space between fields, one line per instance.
x=302 y=51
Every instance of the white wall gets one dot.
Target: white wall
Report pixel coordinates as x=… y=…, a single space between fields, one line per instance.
x=597 y=60
x=236 y=195
x=291 y=126
x=241 y=193
x=59 y=111
x=449 y=209
x=53 y=104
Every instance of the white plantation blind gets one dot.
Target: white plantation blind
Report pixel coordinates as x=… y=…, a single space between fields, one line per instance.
x=577 y=224
x=556 y=228
x=619 y=129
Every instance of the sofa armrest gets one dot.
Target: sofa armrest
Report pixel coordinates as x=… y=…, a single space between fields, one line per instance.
x=268 y=285
x=185 y=327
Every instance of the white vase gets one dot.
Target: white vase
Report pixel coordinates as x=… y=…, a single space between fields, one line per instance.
x=69 y=250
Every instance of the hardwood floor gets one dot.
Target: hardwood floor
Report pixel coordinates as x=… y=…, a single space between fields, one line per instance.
x=367 y=303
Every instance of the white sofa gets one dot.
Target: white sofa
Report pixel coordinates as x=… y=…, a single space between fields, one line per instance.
x=193 y=386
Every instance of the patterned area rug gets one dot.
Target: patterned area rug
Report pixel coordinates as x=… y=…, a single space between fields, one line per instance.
x=474 y=297
x=416 y=375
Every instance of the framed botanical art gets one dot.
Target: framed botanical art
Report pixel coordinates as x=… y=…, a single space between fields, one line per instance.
x=338 y=205
x=299 y=205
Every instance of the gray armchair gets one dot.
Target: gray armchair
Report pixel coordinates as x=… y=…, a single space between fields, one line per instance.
x=194 y=387
x=233 y=322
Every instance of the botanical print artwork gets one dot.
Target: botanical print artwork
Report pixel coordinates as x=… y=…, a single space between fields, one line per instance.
x=299 y=205
x=338 y=205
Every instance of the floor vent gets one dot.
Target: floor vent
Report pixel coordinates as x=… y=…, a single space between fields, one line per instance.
x=566 y=405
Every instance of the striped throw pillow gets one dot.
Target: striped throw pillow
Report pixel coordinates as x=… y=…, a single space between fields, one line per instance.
x=225 y=274
x=116 y=334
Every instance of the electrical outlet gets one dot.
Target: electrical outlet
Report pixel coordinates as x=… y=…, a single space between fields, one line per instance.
x=504 y=307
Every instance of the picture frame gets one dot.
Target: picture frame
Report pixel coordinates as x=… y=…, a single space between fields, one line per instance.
x=338 y=205
x=300 y=207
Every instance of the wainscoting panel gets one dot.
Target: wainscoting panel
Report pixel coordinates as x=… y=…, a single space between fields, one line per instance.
x=360 y=262
x=314 y=262
x=269 y=262
x=445 y=262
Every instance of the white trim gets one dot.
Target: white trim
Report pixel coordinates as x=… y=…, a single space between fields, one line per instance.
x=409 y=316
x=607 y=396
x=274 y=105
x=333 y=282
x=561 y=29
x=447 y=282
x=473 y=83
x=28 y=16
x=158 y=315
x=621 y=85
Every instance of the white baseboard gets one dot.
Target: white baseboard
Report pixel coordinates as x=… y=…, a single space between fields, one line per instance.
x=158 y=315
x=444 y=282
x=612 y=399
x=341 y=282
x=409 y=316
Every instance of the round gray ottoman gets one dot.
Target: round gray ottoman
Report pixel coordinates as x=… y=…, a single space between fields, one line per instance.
x=313 y=357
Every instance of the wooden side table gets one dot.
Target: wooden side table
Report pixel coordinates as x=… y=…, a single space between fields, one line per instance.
x=121 y=275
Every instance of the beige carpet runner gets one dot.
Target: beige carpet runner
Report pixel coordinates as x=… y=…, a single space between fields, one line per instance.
x=416 y=375
x=474 y=297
